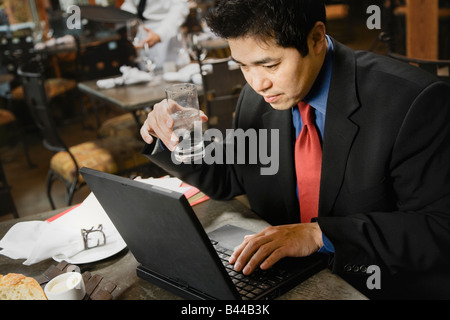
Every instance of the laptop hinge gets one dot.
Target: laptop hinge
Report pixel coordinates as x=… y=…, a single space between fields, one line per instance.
x=176 y=286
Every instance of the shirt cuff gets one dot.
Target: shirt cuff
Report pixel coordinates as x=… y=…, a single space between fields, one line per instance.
x=161 y=145
x=327 y=245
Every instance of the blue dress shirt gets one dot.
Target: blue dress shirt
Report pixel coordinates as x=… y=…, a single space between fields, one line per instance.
x=317 y=98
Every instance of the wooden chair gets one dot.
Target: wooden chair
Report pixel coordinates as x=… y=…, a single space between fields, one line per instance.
x=8 y=119
x=116 y=155
x=17 y=51
x=105 y=59
x=102 y=61
x=127 y=124
x=222 y=87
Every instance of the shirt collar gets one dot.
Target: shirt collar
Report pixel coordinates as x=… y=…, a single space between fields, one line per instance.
x=318 y=95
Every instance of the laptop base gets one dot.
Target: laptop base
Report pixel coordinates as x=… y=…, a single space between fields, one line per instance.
x=166 y=237
x=228 y=237
x=184 y=292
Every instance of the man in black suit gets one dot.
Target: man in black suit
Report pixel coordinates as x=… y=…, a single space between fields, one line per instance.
x=384 y=129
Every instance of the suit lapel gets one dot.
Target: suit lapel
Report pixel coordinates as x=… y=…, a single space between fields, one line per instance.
x=340 y=131
x=339 y=135
x=282 y=120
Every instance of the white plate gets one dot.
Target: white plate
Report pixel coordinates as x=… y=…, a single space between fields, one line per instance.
x=90 y=214
x=94 y=254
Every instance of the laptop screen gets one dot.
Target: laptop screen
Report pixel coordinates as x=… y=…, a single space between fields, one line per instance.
x=162 y=231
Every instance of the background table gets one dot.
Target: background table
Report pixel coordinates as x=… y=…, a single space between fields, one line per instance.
x=121 y=268
x=130 y=97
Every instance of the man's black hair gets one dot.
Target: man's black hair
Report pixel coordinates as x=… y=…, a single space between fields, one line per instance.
x=288 y=22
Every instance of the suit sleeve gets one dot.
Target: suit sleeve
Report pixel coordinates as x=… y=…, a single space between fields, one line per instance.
x=416 y=237
x=217 y=180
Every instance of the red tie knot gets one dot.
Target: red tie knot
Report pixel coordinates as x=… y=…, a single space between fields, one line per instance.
x=306 y=112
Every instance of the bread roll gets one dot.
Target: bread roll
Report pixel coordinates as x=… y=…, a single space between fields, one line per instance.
x=15 y=286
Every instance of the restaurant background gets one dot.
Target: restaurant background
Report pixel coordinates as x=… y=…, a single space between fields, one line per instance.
x=42 y=20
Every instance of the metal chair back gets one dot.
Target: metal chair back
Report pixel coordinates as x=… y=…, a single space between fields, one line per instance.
x=33 y=83
x=439 y=68
x=222 y=87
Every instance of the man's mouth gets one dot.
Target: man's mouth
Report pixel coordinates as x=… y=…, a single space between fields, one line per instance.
x=271 y=99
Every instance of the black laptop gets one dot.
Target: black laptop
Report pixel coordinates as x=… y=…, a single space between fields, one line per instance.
x=173 y=250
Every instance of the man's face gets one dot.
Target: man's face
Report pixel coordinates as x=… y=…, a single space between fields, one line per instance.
x=281 y=75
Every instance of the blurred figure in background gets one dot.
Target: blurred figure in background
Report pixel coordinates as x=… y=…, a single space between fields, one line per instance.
x=162 y=20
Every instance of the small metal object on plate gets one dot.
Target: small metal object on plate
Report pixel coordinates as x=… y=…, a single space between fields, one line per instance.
x=73 y=268
x=93 y=238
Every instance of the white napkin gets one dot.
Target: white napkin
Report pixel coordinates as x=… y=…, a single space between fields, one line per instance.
x=67 y=39
x=191 y=72
x=129 y=76
x=39 y=240
x=184 y=74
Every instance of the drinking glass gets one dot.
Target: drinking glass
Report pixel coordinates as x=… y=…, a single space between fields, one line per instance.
x=187 y=124
x=134 y=27
x=196 y=51
x=136 y=34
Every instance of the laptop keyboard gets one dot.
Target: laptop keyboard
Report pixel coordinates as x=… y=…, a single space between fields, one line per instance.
x=253 y=285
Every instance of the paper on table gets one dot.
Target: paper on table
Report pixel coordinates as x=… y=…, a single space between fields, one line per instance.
x=194 y=195
x=167 y=182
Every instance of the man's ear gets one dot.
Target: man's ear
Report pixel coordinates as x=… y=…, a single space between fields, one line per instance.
x=318 y=38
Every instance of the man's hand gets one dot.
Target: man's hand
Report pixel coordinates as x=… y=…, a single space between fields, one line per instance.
x=151 y=39
x=267 y=247
x=159 y=123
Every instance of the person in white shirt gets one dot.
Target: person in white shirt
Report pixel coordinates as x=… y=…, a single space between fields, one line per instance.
x=162 y=20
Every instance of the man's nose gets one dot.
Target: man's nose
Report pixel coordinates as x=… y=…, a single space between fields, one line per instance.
x=258 y=81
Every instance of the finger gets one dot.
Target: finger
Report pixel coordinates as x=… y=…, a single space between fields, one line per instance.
x=170 y=139
x=161 y=124
x=150 y=129
x=151 y=41
x=258 y=257
x=248 y=257
x=273 y=258
x=145 y=133
x=237 y=251
x=203 y=117
x=163 y=132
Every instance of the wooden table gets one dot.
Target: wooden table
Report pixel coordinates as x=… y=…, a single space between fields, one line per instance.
x=121 y=268
x=130 y=97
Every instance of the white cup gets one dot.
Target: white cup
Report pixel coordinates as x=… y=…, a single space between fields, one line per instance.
x=66 y=286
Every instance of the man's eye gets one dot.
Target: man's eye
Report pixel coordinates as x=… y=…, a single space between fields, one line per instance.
x=272 y=66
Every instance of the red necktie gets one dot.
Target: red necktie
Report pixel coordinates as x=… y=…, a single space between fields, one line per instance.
x=308 y=162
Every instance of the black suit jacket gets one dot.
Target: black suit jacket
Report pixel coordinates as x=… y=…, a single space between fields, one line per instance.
x=385 y=185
